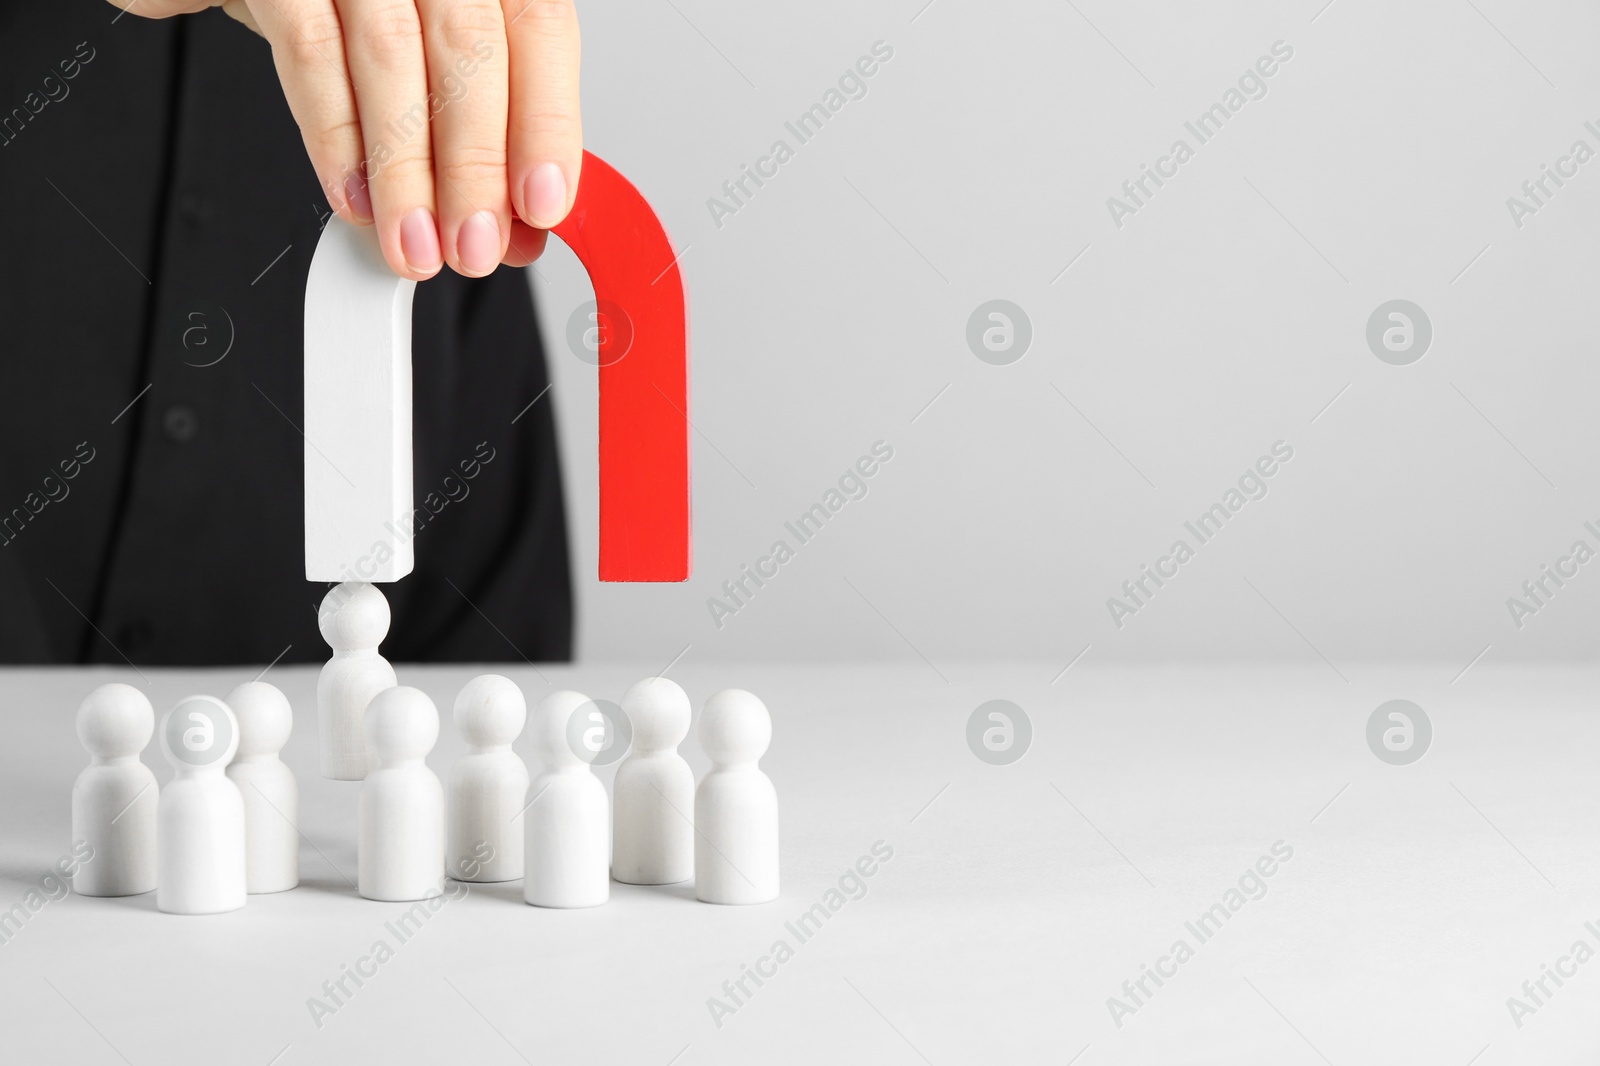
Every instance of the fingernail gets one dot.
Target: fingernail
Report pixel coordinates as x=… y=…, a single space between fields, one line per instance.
x=544 y=195
x=357 y=197
x=419 y=241
x=478 y=244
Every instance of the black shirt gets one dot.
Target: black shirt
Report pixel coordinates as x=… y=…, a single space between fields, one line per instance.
x=160 y=217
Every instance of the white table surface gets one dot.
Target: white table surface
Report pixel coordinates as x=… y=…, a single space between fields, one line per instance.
x=1014 y=906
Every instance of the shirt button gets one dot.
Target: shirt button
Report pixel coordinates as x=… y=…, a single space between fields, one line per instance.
x=180 y=423
x=194 y=211
x=134 y=635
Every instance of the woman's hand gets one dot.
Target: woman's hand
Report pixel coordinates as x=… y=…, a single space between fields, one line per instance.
x=451 y=124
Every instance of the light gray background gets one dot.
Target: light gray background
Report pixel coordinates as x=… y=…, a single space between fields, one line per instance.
x=1223 y=317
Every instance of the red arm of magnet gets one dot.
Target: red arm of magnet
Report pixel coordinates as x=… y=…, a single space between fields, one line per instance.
x=644 y=394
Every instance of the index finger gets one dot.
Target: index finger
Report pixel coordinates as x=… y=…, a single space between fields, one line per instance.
x=544 y=129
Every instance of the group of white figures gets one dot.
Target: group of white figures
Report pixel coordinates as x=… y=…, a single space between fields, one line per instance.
x=226 y=825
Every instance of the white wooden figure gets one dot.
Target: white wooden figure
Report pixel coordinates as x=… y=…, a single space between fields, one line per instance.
x=567 y=815
x=359 y=518
x=735 y=807
x=114 y=798
x=489 y=784
x=652 y=840
x=200 y=839
x=400 y=855
x=271 y=795
x=354 y=619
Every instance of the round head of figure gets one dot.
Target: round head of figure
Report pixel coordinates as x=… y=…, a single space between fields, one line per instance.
x=401 y=724
x=548 y=728
x=659 y=712
x=354 y=616
x=115 y=721
x=201 y=732
x=490 y=711
x=735 y=727
x=265 y=718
